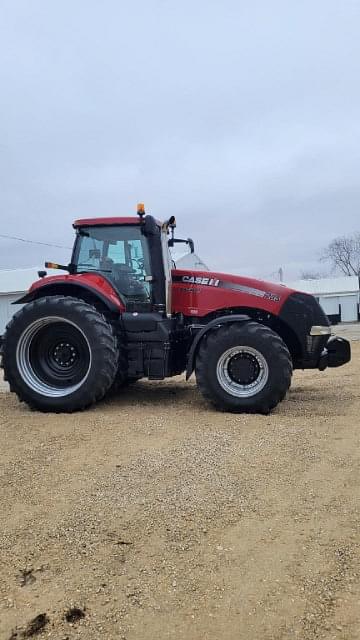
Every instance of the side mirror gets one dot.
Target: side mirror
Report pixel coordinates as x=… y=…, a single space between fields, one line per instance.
x=189 y=241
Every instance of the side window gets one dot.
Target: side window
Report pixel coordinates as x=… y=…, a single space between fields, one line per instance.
x=130 y=266
x=116 y=252
x=131 y=254
x=90 y=253
x=120 y=252
x=137 y=258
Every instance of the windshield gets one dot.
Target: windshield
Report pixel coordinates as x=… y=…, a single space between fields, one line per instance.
x=120 y=253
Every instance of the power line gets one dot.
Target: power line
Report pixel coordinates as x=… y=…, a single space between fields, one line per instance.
x=45 y=244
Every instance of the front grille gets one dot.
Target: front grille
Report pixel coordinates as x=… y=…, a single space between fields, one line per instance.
x=303 y=309
x=300 y=312
x=315 y=344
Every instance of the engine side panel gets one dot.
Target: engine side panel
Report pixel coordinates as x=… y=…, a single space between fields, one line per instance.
x=199 y=293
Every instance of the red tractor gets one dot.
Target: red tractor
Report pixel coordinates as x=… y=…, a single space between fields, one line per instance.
x=123 y=311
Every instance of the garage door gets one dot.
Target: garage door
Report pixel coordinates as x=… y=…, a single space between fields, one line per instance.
x=330 y=305
x=348 y=308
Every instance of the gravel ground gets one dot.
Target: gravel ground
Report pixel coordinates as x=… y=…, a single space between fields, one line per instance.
x=349 y=330
x=153 y=516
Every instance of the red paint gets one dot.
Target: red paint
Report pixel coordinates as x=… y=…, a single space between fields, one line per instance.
x=93 y=280
x=198 y=300
x=91 y=222
x=193 y=300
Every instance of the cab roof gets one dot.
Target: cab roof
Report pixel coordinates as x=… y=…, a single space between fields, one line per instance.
x=92 y=222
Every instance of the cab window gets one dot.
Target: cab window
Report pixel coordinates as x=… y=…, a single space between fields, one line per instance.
x=119 y=252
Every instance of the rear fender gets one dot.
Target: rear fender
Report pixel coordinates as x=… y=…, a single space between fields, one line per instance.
x=74 y=288
x=210 y=326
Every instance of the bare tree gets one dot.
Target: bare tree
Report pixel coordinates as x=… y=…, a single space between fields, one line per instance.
x=344 y=254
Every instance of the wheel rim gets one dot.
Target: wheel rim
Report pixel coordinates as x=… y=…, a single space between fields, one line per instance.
x=242 y=371
x=53 y=357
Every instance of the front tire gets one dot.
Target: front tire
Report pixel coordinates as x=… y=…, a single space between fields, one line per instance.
x=60 y=354
x=243 y=368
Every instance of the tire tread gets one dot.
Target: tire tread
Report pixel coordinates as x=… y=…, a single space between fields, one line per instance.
x=257 y=331
x=105 y=342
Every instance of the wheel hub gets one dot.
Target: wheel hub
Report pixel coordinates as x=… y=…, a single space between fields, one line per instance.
x=64 y=354
x=243 y=368
x=242 y=371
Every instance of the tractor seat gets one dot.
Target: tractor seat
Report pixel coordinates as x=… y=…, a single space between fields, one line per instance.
x=126 y=283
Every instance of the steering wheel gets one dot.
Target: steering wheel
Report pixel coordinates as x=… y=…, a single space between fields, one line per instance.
x=119 y=267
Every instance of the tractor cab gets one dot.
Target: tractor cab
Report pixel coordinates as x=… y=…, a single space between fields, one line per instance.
x=120 y=253
x=131 y=253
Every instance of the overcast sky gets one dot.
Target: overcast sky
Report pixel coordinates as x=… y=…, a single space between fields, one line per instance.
x=241 y=117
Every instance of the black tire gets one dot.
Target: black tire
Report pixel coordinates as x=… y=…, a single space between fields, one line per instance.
x=243 y=367
x=120 y=380
x=60 y=354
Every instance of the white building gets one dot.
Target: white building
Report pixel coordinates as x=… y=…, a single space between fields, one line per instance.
x=339 y=297
x=14 y=283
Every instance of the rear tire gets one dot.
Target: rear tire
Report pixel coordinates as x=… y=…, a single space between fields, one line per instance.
x=60 y=354
x=243 y=368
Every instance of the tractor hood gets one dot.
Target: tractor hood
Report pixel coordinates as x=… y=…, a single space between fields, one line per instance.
x=199 y=293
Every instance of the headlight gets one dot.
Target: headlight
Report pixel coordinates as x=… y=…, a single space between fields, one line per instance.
x=320 y=330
